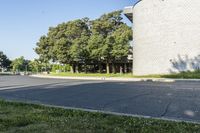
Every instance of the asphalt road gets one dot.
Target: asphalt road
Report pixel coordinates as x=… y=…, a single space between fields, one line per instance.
x=179 y=100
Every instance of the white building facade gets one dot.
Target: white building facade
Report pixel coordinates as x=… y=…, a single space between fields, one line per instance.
x=166 y=36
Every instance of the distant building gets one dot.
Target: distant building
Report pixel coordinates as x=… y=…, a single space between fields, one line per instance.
x=166 y=36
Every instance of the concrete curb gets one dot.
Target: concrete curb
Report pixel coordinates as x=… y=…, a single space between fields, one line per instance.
x=105 y=78
x=107 y=112
x=117 y=79
x=123 y=114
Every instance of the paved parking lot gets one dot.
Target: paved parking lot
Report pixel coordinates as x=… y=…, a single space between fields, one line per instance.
x=179 y=100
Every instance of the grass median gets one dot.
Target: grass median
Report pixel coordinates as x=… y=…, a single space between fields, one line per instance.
x=181 y=75
x=20 y=117
x=5 y=74
x=90 y=74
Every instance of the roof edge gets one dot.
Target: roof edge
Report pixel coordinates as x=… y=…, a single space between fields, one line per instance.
x=136 y=3
x=128 y=11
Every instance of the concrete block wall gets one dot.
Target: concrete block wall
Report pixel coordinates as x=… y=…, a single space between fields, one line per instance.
x=166 y=36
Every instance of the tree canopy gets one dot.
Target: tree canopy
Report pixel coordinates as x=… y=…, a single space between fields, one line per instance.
x=85 y=42
x=20 y=64
x=4 y=61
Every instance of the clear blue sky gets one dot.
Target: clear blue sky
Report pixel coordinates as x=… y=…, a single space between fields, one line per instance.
x=22 y=22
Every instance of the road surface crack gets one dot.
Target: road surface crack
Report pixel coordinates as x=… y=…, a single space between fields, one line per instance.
x=166 y=109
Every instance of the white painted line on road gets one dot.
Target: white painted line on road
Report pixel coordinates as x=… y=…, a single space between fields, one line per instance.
x=48 y=86
x=14 y=87
x=68 y=84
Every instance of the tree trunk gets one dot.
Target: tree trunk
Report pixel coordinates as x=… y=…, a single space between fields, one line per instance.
x=100 y=68
x=64 y=67
x=125 y=68
x=85 y=67
x=113 y=68
x=77 y=68
x=121 y=69
x=94 y=68
x=72 y=68
x=108 y=68
x=45 y=67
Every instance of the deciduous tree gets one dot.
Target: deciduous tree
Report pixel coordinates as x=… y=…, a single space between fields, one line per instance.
x=4 y=61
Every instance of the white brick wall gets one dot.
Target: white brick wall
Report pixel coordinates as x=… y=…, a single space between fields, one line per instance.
x=166 y=36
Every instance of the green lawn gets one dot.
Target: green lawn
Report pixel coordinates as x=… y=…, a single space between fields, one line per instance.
x=5 y=74
x=90 y=74
x=182 y=75
x=117 y=75
x=28 y=118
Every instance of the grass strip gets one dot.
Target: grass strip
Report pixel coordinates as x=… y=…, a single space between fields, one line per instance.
x=22 y=118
